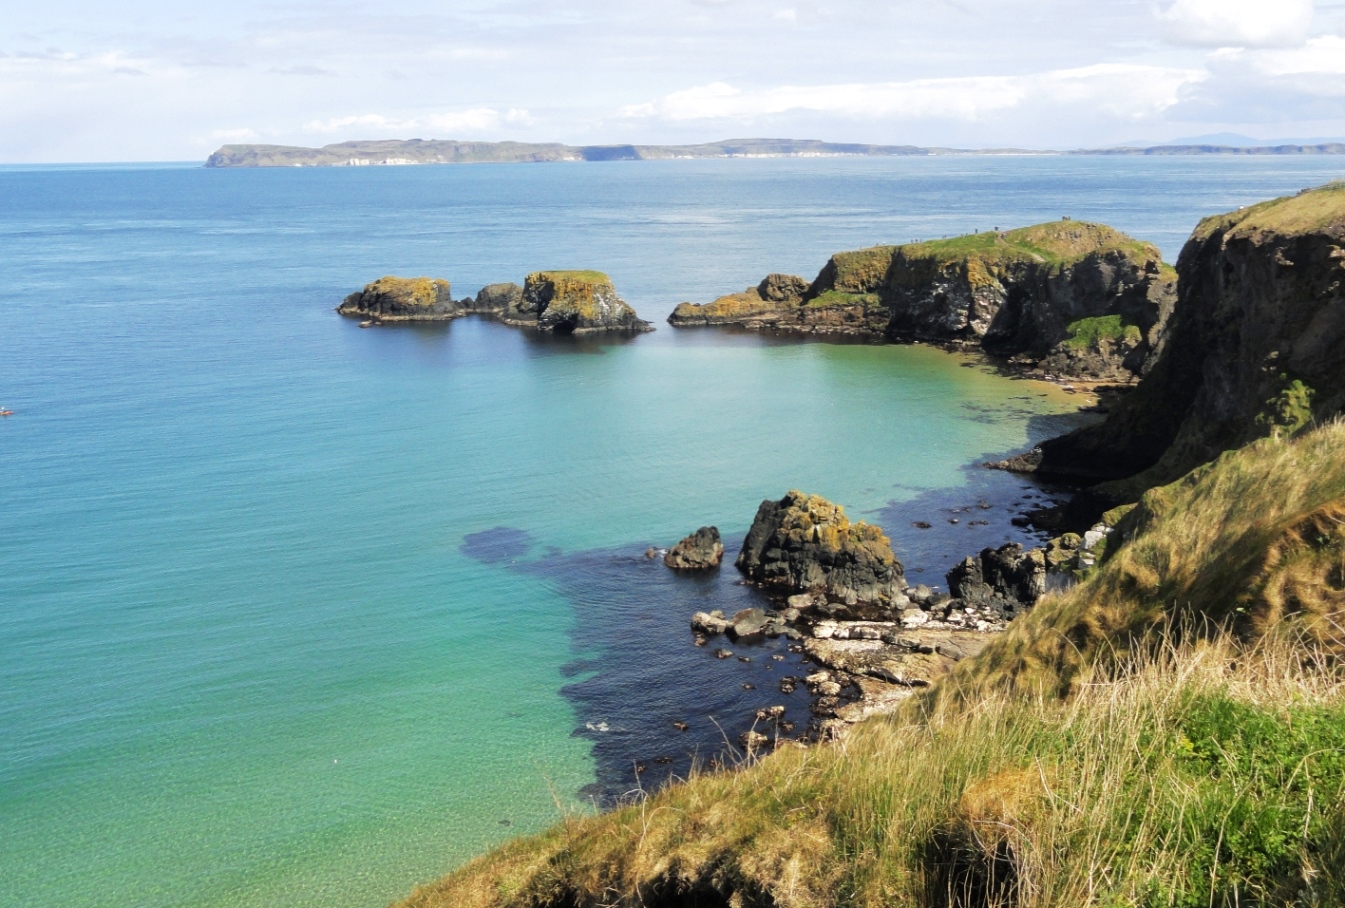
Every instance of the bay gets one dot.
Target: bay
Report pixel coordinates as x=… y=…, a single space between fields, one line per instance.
x=249 y=654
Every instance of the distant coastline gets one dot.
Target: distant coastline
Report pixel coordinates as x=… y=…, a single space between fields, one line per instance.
x=392 y=152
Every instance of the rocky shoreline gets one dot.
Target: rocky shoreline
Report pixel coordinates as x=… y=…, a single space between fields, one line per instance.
x=841 y=599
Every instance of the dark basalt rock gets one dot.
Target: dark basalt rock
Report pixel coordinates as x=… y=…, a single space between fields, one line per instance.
x=401 y=299
x=701 y=550
x=496 y=299
x=1004 y=573
x=805 y=544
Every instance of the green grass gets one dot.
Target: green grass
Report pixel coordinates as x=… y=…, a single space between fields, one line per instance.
x=1054 y=243
x=1311 y=211
x=830 y=298
x=580 y=276
x=1086 y=333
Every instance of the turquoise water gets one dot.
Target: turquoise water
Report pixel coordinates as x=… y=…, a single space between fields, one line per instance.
x=246 y=657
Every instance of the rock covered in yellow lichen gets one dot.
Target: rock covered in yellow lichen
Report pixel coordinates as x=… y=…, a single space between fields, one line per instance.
x=804 y=543
x=403 y=299
x=574 y=302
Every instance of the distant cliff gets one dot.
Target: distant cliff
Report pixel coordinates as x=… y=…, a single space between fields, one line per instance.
x=423 y=151
x=1076 y=299
x=449 y=151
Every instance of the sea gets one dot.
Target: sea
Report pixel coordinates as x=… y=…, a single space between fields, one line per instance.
x=298 y=614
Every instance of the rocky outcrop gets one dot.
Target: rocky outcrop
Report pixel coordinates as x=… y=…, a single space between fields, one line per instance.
x=572 y=302
x=701 y=550
x=495 y=299
x=805 y=544
x=1256 y=347
x=402 y=299
x=561 y=302
x=1076 y=299
x=1008 y=573
x=776 y=295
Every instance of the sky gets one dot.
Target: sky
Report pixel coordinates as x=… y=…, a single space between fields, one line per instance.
x=154 y=80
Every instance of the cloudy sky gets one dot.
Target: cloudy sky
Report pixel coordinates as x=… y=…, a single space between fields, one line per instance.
x=85 y=80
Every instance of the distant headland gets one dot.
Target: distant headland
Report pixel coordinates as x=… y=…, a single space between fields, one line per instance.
x=448 y=151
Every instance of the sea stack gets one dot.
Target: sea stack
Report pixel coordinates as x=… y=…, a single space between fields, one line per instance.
x=572 y=302
x=403 y=299
x=805 y=544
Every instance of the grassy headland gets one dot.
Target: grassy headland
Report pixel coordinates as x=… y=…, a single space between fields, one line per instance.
x=1171 y=731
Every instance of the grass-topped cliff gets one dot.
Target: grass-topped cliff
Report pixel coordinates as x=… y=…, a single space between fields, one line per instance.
x=1079 y=299
x=1256 y=347
x=1169 y=732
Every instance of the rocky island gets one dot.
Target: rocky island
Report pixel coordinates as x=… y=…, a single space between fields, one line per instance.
x=403 y=299
x=558 y=302
x=1068 y=298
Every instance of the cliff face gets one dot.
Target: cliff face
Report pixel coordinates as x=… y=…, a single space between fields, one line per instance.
x=573 y=302
x=1076 y=299
x=1256 y=347
x=401 y=299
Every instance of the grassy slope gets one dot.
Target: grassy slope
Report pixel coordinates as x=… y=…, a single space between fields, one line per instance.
x=1185 y=767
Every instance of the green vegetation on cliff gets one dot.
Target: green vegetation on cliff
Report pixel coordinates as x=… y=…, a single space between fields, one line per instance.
x=1087 y=332
x=1055 y=243
x=1170 y=732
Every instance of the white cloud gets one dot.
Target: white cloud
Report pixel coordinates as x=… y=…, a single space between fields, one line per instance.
x=233 y=135
x=476 y=120
x=1238 y=23
x=1324 y=56
x=1124 y=91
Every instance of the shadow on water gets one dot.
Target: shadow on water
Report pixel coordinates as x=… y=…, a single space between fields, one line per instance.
x=637 y=671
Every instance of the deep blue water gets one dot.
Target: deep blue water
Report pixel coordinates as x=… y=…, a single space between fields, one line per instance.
x=293 y=613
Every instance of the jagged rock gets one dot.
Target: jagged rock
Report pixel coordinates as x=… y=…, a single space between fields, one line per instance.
x=572 y=302
x=1255 y=347
x=753 y=740
x=710 y=623
x=1061 y=551
x=403 y=299
x=804 y=543
x=1004 y=573
x=701 y=550
x=496 y=299
x=748 y=624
